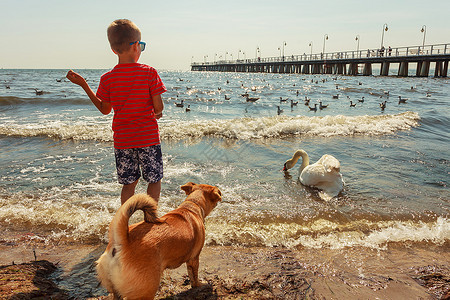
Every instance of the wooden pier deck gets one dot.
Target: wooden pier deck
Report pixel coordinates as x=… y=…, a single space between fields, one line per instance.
x=345 y=63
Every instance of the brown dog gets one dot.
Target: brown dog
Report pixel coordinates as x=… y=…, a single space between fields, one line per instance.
x=136 y=256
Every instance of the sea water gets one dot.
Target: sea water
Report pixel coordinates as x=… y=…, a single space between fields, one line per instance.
x=58 y=179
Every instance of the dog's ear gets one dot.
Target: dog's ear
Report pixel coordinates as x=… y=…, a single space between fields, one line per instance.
x=217 y=194
x=187 y=188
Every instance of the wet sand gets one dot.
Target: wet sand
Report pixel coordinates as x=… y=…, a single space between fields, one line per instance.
x=401 y=272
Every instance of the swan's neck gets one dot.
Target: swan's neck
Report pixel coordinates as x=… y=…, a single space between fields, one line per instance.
x=305 y=159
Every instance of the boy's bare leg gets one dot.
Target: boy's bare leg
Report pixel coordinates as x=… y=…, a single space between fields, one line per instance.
x=154 y=189
x=128 y=191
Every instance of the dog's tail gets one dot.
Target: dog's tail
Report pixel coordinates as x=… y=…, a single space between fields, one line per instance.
x=118 y=230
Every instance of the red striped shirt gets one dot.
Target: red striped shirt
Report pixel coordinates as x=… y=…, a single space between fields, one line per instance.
x=129 y=88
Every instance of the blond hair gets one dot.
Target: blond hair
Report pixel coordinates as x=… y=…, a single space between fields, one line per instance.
x=121 y=33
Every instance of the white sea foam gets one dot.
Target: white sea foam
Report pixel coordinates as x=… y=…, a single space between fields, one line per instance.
x=85 y=219
x=240 y=128
x=326 y=234
x=59 y=218
x=59 y=130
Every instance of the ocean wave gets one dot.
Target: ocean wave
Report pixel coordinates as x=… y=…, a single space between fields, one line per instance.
x=13 y=100
x=282 y=126
x=59 y=130
x=56 y=219
x=240 y=128
x=326 y=234
x=87 y=220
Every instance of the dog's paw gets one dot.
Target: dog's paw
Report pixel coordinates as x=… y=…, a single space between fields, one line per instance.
x=197 y=284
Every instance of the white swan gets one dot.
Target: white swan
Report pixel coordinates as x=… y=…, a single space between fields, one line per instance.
x=324 y=174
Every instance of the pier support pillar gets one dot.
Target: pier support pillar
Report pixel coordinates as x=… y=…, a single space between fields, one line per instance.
x=384 y=69
x=280 y=69
x=419 y=68
x=315 y=69
x=444 y=69
x=441 y=69
x=338 y=69
x=403 y=69
x=437 y=69
x=305 y=69
x=353 y=69
x=424 y=68
x=289 y=69
x=367 y=69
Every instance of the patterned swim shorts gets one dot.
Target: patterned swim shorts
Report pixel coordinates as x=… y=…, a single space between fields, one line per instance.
x=130 y=162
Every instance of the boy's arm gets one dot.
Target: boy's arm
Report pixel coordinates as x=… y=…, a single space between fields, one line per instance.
x=103 y=107
x=158 y=106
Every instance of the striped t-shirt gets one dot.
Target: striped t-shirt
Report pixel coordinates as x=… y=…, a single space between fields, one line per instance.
x=129 y=88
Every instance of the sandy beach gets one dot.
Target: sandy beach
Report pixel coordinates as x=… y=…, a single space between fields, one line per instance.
x=67 y=272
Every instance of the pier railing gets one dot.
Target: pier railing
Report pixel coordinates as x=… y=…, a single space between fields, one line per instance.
x=436 y=49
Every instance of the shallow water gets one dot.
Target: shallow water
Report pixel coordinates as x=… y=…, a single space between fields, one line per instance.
x=58 y=178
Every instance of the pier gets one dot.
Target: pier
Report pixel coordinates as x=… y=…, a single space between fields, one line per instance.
x=361 y=62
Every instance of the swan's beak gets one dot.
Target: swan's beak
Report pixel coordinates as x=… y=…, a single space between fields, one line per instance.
x=284 y=167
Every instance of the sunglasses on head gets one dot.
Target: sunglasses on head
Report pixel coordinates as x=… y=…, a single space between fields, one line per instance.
x=142 y=44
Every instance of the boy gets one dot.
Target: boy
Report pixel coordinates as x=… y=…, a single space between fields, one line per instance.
x=134 y=91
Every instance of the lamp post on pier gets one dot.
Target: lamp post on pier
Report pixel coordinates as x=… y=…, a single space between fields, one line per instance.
x=310 y=45
x=280 y=48
x=325 y=38
x=424 y=30
x=357 y=47
x=385 y=28
x=257 y=50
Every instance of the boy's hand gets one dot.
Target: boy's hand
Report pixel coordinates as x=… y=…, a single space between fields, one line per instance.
x=158 y=116
x=75 y=78
x=103 y=107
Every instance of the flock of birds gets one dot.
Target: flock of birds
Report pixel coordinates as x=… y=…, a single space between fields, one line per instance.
x=293 y=103
x=37 y=91
x=313 y=107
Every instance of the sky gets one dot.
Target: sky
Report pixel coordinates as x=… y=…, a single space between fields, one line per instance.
x=49 y=34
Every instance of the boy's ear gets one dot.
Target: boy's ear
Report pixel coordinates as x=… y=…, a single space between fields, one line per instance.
x=187 y=188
